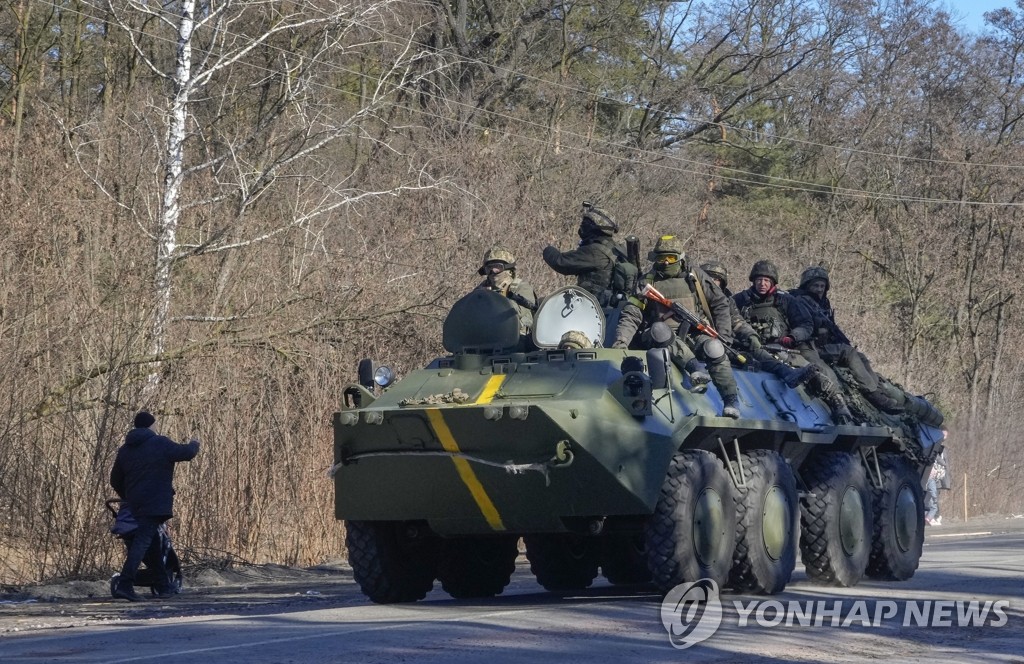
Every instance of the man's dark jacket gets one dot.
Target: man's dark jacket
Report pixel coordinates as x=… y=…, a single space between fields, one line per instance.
x=143 y=472
x=592 y=263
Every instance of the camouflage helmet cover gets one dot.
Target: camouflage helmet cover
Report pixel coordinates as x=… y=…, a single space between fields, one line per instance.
x=498 y=254
x=575 y=339
x=716 y=270
x=668 y=244
x=812 y=273
x=600 y=219
x=765 y=268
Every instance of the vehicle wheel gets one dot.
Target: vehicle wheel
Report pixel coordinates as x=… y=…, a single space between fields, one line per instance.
x=692 y=533
x=391 y=561
x=563 y=562
x=899 y=521
x=767 y=513
x=624 y=559
x=175 y=579
x=835 y=538
x=477 y=566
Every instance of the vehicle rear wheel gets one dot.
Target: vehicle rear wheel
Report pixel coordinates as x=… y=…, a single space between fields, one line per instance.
x=899 y=521
x=624 y=559
x=391 y=561
x=477 y=566
x=835 y=538
x=767 y=513
x=692 y=533
x=563 y=562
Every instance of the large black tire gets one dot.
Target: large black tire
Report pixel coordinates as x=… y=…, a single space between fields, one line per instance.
x=692 y=533
x=471 y=567
x=624 y=559
x=563 y=563
x=899 y=521
x=390 y=563
x=767 y=524
x=836 y=519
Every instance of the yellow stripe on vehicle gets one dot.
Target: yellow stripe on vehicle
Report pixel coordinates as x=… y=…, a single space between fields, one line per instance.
x=491 y=388
x=469 y=478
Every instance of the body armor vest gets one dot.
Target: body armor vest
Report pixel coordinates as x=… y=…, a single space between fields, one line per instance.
x=676 y=289
x=598 y=280
x=767 y=320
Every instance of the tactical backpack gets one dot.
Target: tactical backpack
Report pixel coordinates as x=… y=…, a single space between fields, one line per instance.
x=624 y=274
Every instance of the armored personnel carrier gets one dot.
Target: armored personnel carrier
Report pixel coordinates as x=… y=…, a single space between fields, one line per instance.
x=611 y=462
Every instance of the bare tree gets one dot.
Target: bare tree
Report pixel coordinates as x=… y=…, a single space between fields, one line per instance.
x=237 y=75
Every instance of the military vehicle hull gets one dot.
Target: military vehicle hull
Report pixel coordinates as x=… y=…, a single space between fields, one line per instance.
x=595 y=464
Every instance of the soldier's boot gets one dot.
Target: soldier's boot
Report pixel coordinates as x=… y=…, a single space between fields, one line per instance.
x=698 y=374
x=887 y=400
x=795 y=377
x=840 y=411
x=731 y=407
x=920 y=408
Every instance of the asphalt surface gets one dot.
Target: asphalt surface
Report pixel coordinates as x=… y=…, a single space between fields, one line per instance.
x=966 y=603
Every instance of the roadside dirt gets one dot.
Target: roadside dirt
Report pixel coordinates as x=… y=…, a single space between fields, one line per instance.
x=237 y=591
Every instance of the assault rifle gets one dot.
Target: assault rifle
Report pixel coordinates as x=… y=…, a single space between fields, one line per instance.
x=684 y=315
x=519 y=299
x=822 y=318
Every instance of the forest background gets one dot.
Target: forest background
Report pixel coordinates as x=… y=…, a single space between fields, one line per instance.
x=213 y=210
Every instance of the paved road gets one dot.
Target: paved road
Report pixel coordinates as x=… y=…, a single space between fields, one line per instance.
x=606 y=624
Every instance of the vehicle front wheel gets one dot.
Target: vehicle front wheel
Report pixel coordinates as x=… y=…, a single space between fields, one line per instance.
x=391 y=561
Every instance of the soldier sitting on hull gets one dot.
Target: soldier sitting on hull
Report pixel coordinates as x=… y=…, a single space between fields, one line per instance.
x=745 y=335
x=499 y=267
x=835 y=347
x=594 y=261
x=697 y=292
x=779 y=318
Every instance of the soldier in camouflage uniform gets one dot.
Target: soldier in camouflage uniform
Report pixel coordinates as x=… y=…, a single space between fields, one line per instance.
x=594 y=260
x=778 y=318
x=500 y=269
x=746 y=336
x=835 y=347
x=697 y=292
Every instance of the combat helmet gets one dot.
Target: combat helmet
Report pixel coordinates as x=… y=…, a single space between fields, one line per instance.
x=575 y=339
x=596 y=219
x=716 y=270
x=498 y=254
x=668 y=244
x=765 y=268
x=812 y=273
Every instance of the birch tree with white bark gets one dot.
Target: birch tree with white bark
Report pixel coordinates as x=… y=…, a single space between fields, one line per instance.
x=263 y=99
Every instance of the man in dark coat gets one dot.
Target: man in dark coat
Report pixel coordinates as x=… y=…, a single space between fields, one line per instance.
x=835 y=347
x=593 y=262
x=744 y=333
x=143 y=477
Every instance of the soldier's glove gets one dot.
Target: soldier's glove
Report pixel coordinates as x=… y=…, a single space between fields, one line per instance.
x=755 y=342
x=787 y=342
x=619 y=343
x=550 y=254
